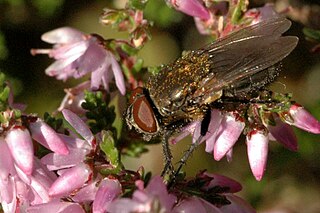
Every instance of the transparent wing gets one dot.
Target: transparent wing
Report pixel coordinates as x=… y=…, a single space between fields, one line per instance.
x=243 y=54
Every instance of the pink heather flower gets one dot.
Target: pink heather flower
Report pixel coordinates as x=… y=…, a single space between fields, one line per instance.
x=56 y=206
x=154 y=196
x=74 y=98
x=261 y=13
x=78 y=148
x=78 y=54
x=70 y=180
x=72 y=168
x=108 y=190
x=283 y=133
x=20 y=145
x=46 y=136
x=302 y=119
x=228 y=134
x=98 y=194
x=191 y=7
x=19 y=190
x=257 y=147
x=228 y=187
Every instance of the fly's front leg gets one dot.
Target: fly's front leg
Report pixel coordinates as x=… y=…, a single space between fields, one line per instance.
x=168 y=167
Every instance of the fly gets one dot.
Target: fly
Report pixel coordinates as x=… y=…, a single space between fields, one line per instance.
x=233 y=67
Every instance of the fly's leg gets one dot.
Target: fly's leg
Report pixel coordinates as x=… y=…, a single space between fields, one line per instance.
x=168 y=167
x=204 y=129
x=186 y=155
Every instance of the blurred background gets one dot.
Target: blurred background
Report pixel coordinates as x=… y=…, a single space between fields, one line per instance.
x=292 y=180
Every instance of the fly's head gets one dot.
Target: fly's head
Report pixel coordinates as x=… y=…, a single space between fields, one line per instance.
x=141 y=115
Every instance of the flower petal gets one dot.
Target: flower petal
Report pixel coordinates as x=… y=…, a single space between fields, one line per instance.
x=70 y=180
x=223 y=181
x=78 y=125
x=118 y=75
x=87 y=193
x=158 y=189
x=56 y=161
x=257 y=148
x=228 y=134
x=303 y=119
x=9 y=204
x=62 y=35
x=108 y=190
x=7 y=189
x=97 y=75
x=20 y=144
x=56 y=206
x=6 y=160
x=192 y=8
x=213 y=129
x=284 y=134
x=46 y=136
x=92 y=59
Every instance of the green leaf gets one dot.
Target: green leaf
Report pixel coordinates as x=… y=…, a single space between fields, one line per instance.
x=311 y=33
x=112 y=154
x=129 y=49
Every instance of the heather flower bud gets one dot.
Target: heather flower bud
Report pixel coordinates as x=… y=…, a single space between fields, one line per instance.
x=70 y=180
x=46 y=136
x=257 y=148
x=303 y=119
x=20 y=144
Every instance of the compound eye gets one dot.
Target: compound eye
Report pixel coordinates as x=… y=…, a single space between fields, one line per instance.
x=142 y=112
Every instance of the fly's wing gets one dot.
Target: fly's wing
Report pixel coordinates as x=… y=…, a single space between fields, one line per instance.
x=243 y=55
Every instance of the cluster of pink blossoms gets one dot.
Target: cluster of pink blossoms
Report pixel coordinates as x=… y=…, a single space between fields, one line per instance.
x=78 y=54
x=66 y=180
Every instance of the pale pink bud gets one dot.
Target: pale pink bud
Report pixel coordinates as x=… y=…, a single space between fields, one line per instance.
x=20 y=144
x=303 y=119
x=70 y=180
x=228 y=134
x=46 y=136
x=257 y=148
x=107 y=192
